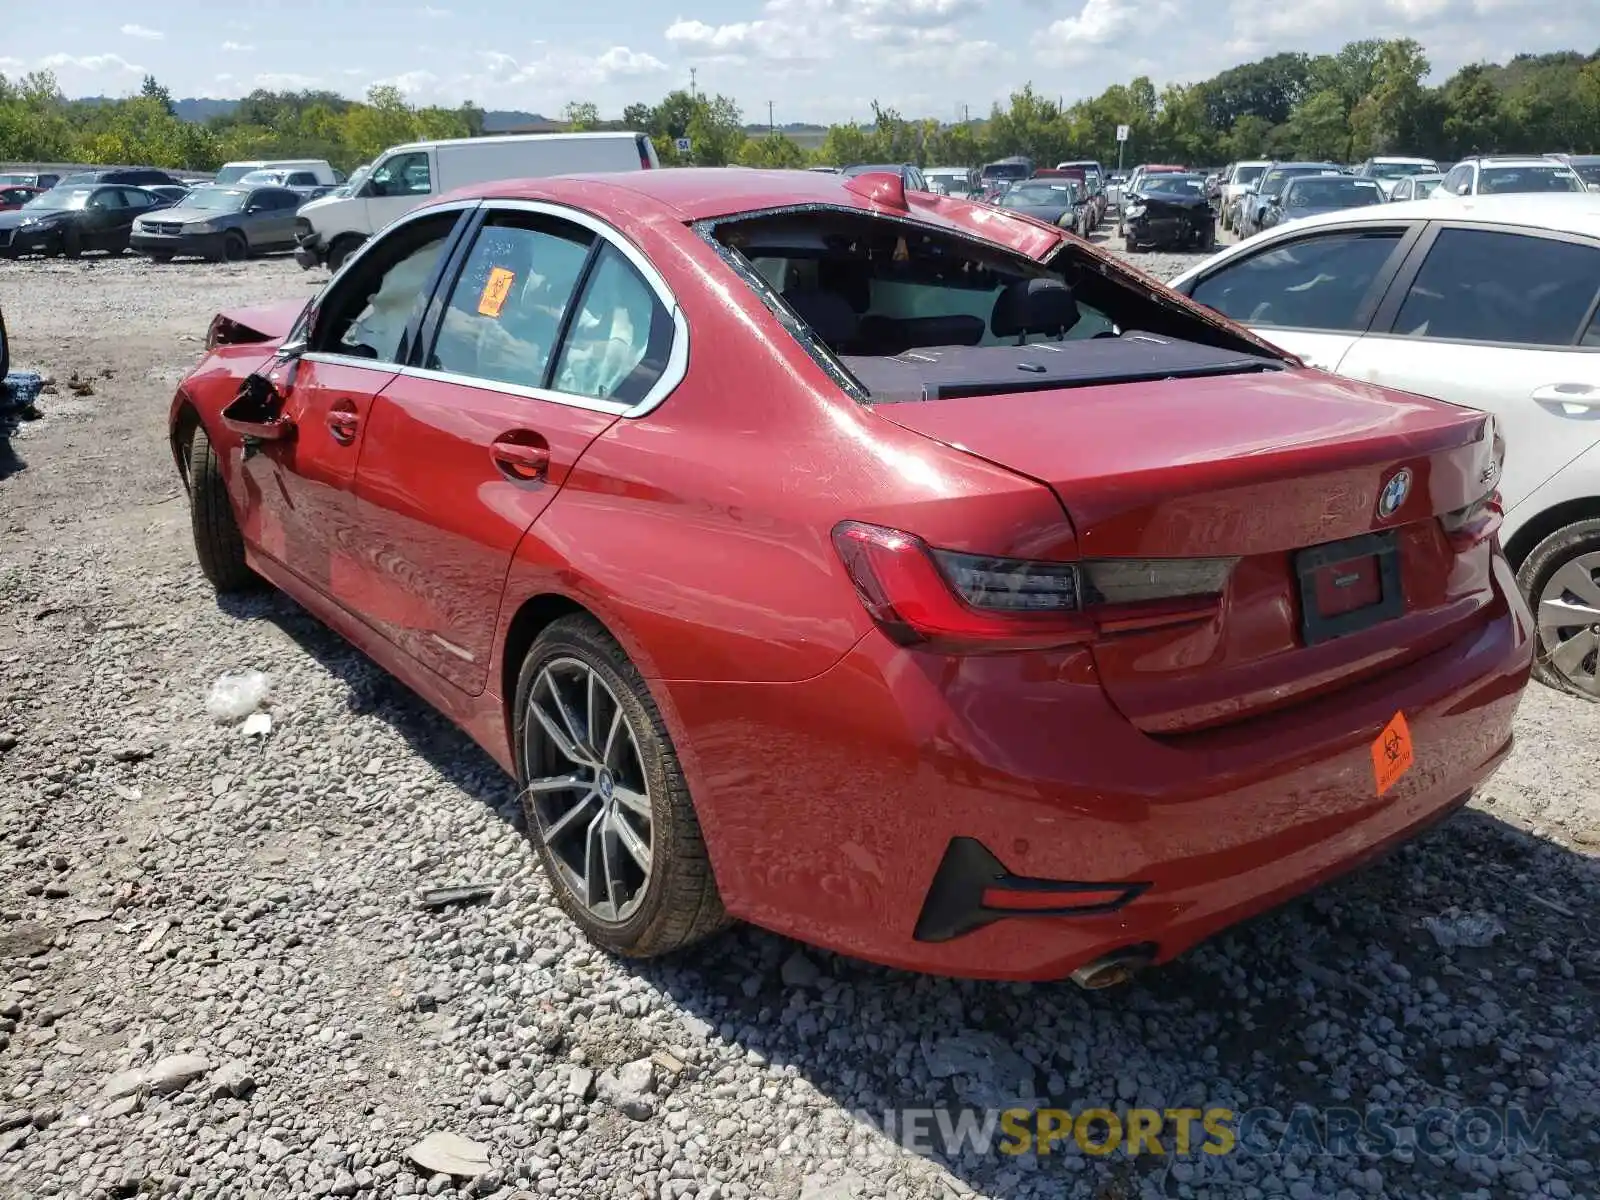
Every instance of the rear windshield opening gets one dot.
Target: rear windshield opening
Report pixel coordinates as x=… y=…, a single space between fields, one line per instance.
x=860 y=288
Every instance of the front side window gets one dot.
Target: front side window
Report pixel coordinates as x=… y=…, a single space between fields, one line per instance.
x=402 y=175
x=506 y=308
x=1321 y=282
x=1459 y=179
x=371 y=308
x=1483 y=286
x=136 y=198
x=620 y=335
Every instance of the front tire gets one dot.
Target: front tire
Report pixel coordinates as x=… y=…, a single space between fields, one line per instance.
x=72 y=243
x=218 y=544
x=1559 y=580
x=605 y=801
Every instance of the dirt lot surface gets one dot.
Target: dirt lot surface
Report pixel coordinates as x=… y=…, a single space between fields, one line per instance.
x=215 y=980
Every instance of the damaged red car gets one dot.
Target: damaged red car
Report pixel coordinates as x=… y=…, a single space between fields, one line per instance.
x=887 y=570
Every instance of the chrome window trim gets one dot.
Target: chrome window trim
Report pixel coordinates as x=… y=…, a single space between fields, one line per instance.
x=677 y=365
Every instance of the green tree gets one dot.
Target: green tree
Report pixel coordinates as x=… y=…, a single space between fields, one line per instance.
x=581 y=115
x=771 y=151
x=1320 y=127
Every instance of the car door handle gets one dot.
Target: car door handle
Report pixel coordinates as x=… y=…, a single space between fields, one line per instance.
x=522 y=456
x=1573 y=398
x=344 y=422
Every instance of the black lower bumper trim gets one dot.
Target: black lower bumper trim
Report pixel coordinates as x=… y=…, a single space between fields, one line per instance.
x=955 y=902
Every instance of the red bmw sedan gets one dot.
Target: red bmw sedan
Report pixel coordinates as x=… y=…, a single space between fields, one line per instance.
x=891 y=571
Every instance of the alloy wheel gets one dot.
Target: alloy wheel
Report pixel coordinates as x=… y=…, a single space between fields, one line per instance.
x=587 y=792
x=1569 y=622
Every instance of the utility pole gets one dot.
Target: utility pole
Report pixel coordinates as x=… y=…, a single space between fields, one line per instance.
x=693 y=93
x=772 y=128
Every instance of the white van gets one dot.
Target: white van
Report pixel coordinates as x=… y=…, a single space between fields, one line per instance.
x=406 y=176
x=235 y=171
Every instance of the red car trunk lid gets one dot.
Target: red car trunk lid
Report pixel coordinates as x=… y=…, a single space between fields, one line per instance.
x=1284 y=471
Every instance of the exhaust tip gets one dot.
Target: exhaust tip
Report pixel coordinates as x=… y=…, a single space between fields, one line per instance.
x=1113 y=970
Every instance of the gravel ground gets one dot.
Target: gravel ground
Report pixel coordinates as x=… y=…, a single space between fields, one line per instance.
x=215 y=980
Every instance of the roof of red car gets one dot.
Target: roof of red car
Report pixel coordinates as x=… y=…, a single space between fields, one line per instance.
x=698 y=193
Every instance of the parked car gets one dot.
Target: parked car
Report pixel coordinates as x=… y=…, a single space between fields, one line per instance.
x=1415 y=187
x=224 y=224
x=1309 y=195
x=69 y=220
x=302 y=183
x=1003 y=172
x=1131 y=190
x=1095 y=179
x=136 y=176
x=1506 y=173
x=961 y=182
x=1171 y=211
x=1238 y=181
x=14 y=196
x=43 y=180
x=1487 y=302
x=1387 y=170
x=170 y=191
x=910 y=174
x=405 y=176
x=1269 y=187
x=322 y=175
x=1586 y=165
x=1059 y=201
x=1079 y=677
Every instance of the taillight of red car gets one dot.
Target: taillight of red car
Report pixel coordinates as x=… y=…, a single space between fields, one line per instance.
x=958 y=603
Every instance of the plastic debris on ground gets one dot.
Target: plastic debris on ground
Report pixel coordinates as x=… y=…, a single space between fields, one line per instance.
x=1472 y=930
x=234 y=697
x=19 y=394
x=257 y=724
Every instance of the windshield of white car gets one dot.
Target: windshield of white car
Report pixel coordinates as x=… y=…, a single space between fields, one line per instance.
x=60 y=200
x=1245 y=175
x=1335 y=191
x=1278 y=178
x=1528 y=179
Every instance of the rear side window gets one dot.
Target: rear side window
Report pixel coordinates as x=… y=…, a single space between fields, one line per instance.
x=1484 y=286
x=617 y=344
x=1322 y=282
x=507 y=307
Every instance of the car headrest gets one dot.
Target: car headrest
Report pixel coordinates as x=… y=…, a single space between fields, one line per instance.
x=829 y=314
x=1034 y=306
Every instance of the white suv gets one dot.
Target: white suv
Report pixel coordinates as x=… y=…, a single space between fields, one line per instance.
x=1502 y=174
x=1241 y=176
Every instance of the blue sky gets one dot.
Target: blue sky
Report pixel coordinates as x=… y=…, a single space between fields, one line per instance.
x=821 y=60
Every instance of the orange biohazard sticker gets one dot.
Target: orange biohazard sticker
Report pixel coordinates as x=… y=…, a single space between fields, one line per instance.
x=495 y=290
x=1392 y=754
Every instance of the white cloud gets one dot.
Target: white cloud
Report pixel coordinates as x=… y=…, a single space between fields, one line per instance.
x=93 y=63
x=558 y=76
x=436 y=13
x=237 y=47
x=793 y=32
x=142 y=33
x=411 y=83
x=286 y=81
x=11 y=64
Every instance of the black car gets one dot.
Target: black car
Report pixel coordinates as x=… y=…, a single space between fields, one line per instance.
x=910 y=175
x=69 y=220
x=1171 y=211
x=1059 y=201
x=137 y=176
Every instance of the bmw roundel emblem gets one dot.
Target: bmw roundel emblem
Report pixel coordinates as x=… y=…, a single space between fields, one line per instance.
x=1394 y=493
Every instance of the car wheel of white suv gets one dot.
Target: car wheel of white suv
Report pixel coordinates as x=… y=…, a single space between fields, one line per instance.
x=1559 y=578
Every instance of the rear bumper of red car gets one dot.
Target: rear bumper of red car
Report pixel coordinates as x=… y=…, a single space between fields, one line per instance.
x=830 y=806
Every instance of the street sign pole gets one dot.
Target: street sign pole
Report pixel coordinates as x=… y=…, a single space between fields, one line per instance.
x=1122 y=141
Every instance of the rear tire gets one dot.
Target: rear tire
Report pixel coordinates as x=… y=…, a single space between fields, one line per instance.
x=1558 y=581
x=218 y=543
x=614 y=788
